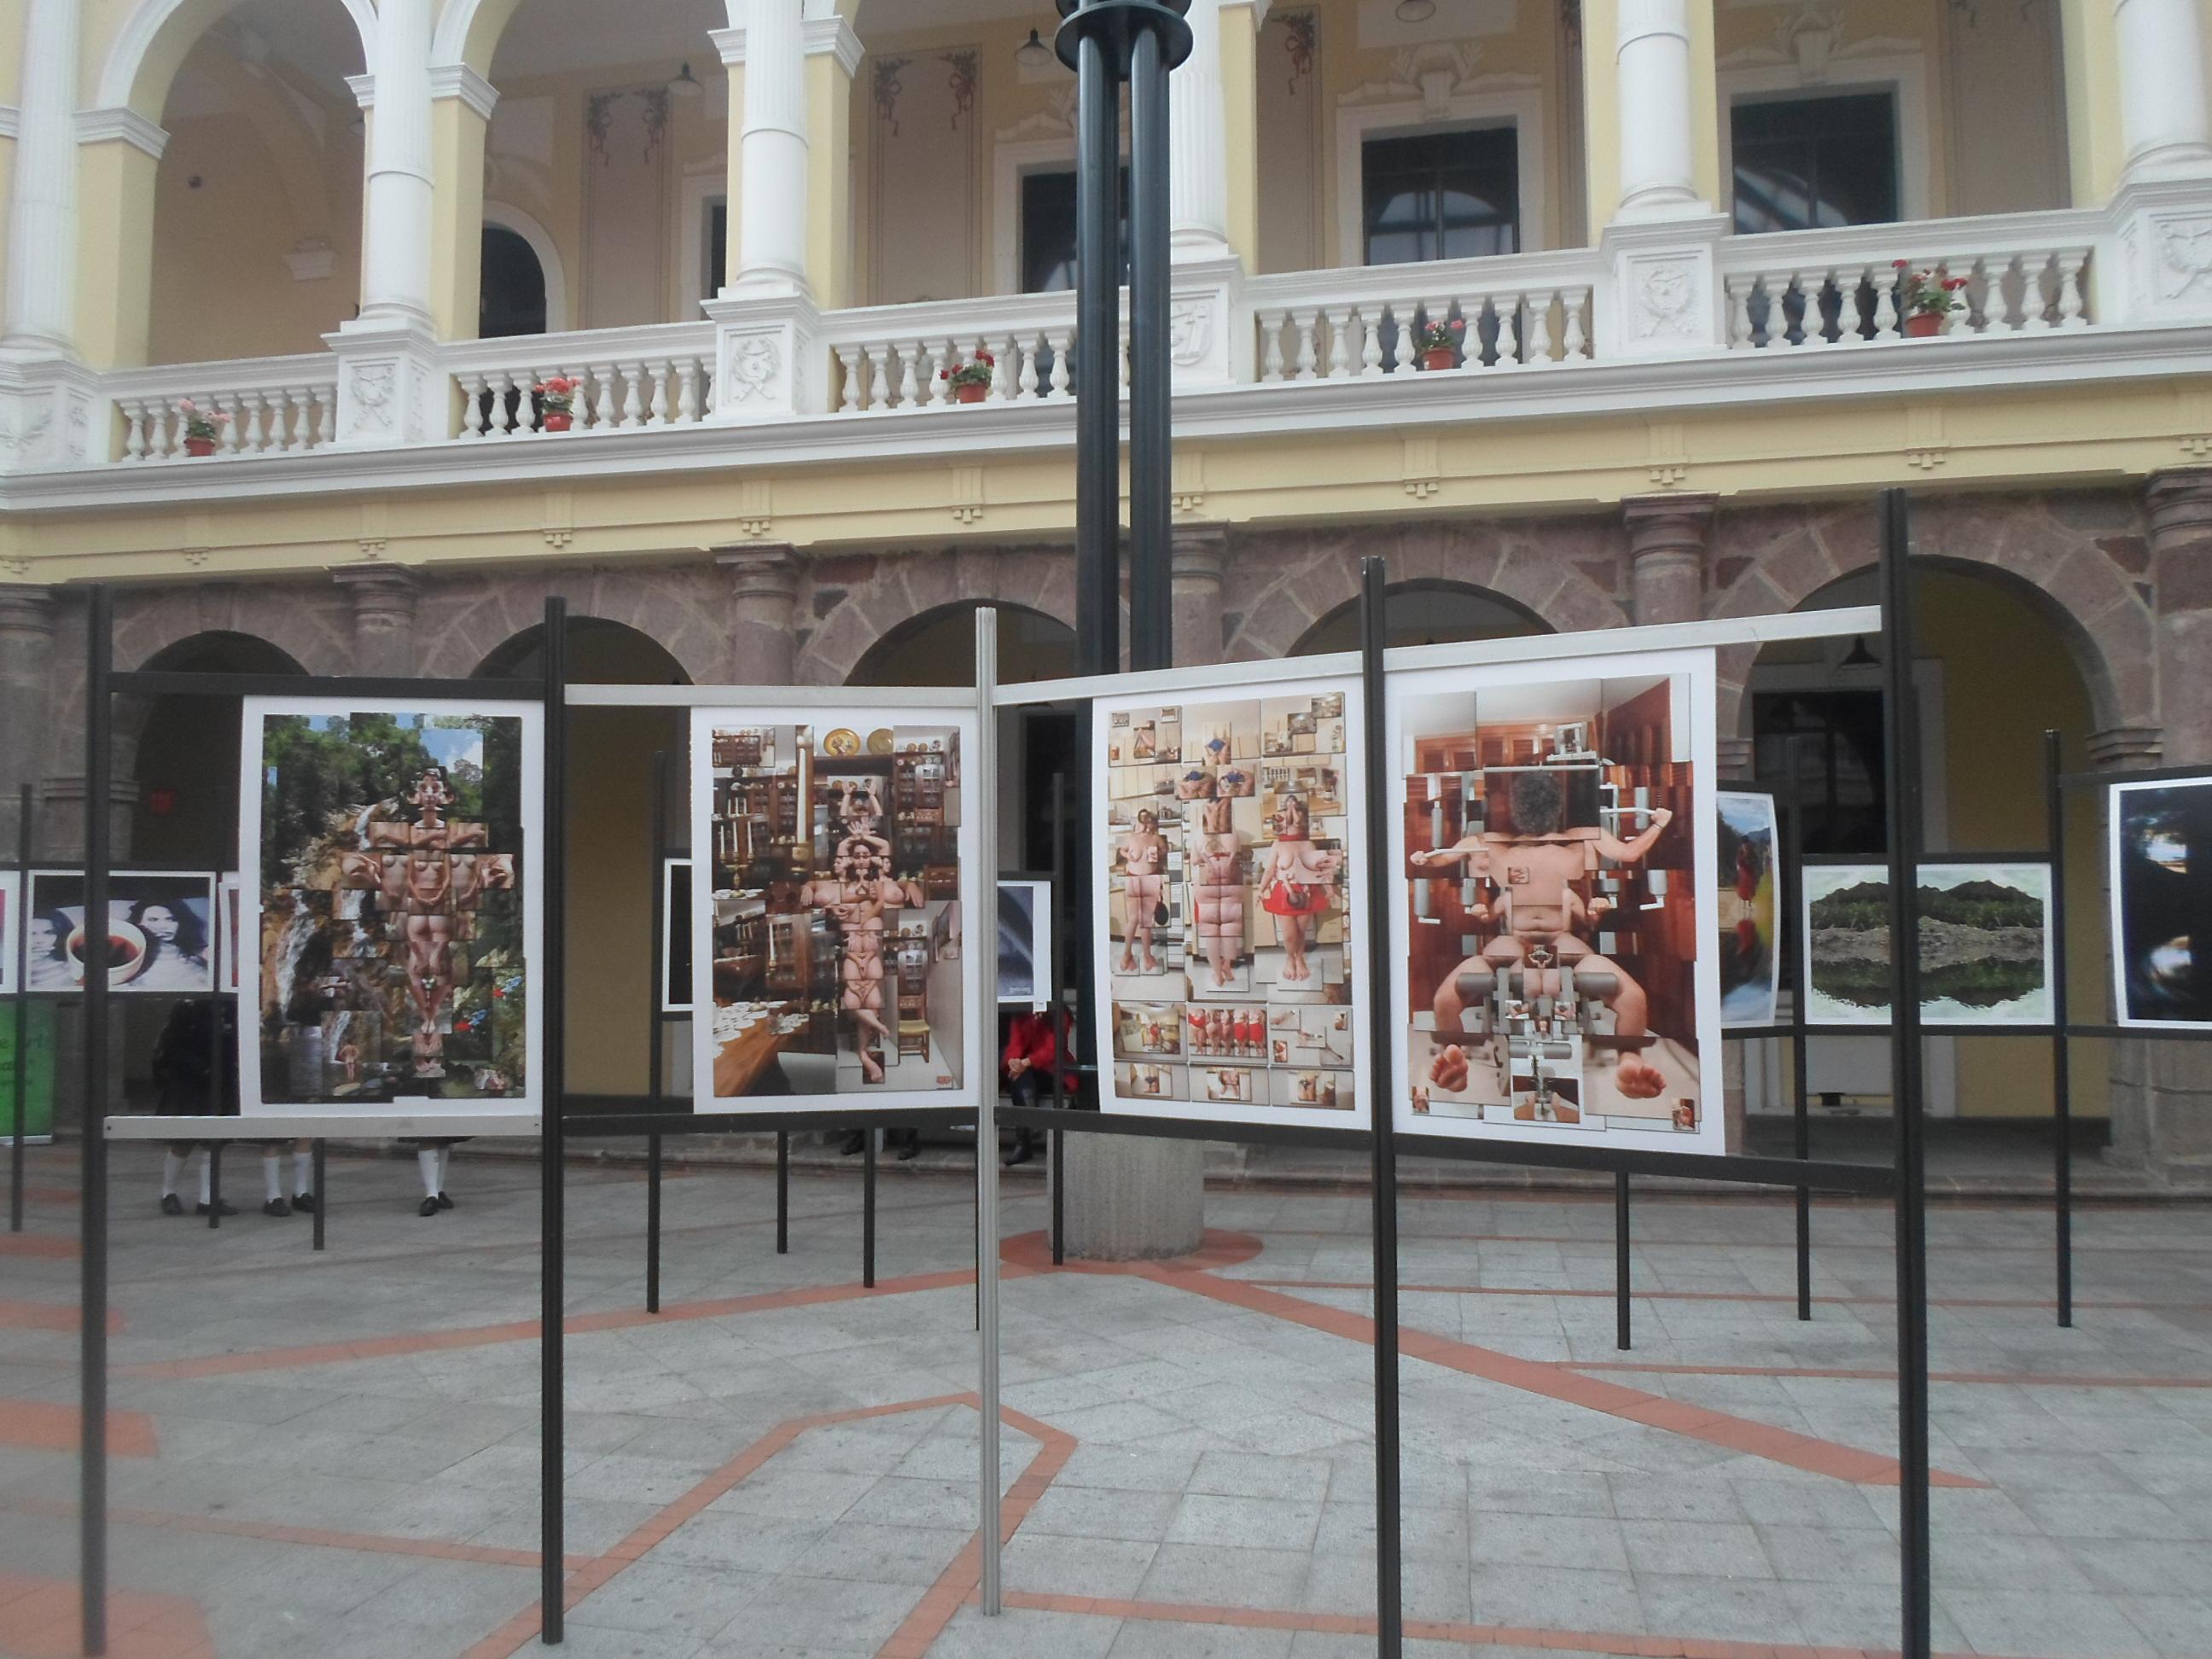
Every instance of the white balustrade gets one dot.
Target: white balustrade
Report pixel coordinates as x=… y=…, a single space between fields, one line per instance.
x=1497 y=314
x=888 y=360
x=626 y=379
x=257 y=406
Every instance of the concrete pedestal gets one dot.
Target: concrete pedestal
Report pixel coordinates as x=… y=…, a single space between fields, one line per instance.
x=1134 y=1200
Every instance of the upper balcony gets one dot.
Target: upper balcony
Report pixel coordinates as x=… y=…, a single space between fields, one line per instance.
x=1417 y=214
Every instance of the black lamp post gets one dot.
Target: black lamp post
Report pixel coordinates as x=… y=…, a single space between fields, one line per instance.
x=1109 y=43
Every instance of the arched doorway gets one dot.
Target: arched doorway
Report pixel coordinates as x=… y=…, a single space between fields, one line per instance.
x=612 y=886
x=1813 y=710
x=938 y=647
x=187 y=759
x=1431 y=612
x=511 y=296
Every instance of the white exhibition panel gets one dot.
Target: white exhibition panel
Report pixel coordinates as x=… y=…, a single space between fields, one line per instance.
x=1161 y=1047
x=1833 y=949
x=1592 y=1098
x=287 y=1124
x=514 y=1114
x=2159 y=837
x=1751 y=981
x=730 y=710
x=140 y=960
x=11 y=918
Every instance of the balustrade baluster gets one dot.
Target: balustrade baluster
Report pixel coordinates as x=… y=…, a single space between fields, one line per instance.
x=161 y=446
x=134 y=429
x=1368 y=325
x=2069 y=289
x=1509 y=333
x=1991 y=309
x=287 y=427
x=656 y=379
x=1271 y=344
x=254 y=406
x=1739 y=311
x=632 y=399
x=1032 y=347
x=1309 y=351
x=1404 y=318
x=326 y=413
x=2034 y=314
x=1885 y=301
x=1576 y=341
x=525 y=401
x=1540 y=328
x=1339 y=341
x=472 y=411
x=848 y=374
x=879 y=379
x=687 y=392
x=1060 y=340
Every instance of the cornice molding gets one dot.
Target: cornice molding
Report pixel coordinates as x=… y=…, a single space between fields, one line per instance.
x=99 y=126
x=460 y=80
x=818 y=36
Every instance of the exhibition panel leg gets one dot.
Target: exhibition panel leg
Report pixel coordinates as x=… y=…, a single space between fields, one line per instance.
x=552 y=1404
x=2062 y=1055
x=214 y=1155
x=868 y=1208
x=1620 y=1301
x=783 y=1192
x=22 y=1015
x=1900 y=711
x=92 y=1536
x=322 y=1193
x=652 y=1219
x=656 y=961
x=1800 y=1103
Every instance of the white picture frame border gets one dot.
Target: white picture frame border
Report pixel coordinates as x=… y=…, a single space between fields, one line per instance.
x=410 y=1114
x=1040 y=943
x=1875 y=869
x=11 y=930
x=2113 y=896
x=1782 y=921
x=670 y=920
x=53 y=872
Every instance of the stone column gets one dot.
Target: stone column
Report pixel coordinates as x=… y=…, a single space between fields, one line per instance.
x=399 y=193
x=2163 y=127
x=27 y=640
x=764 y=583
x=42 y=212
x=384 y=598
x=1194 y=562
x=1197 y=174
x=1666 y=537
x=772 y=154
x=1658 y=146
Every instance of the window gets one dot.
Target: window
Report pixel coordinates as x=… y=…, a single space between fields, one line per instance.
x=1441 y=195
x=1802 y=163
x=1048 y=231
x=715 y=245
x=512 y=298
x=1829 y=744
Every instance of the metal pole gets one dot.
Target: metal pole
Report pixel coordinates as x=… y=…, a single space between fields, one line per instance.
x=1382 y=1089
x=1152 y=393
x=1620 y=1310
x=1062 y=1048
x=2062 y=1054
x=1098 y=357
x=983 y=768
x=653 y=1026
x=322 y=1196
x=91 y=1522
x=214 y=1154
x=868 y=1208
x=1901 y=715
x=1801 y=1063
x=22 y=1079
x=552 y=1403
x=782 y=1190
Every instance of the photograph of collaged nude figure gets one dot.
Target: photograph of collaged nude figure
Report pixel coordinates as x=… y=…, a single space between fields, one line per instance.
x=390 y=932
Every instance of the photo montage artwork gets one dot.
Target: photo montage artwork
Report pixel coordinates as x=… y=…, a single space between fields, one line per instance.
x=1231 y=914
x=1984 y=945
x=2161 y=836
x=1557 y=842
x=161 y=931
x=1024 y=944
x=829 y=915
x=1748 y=910
x=392 y=903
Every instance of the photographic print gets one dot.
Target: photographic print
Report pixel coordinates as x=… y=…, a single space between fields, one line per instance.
x=1231 y=909
x=2160 y=835
x=1985 y=944
x=1026 y=943
x=10 y=938
x=229 y=895
x=676 y=936
x=1748 y=909
x=1557 y=835
x=159 y=926
x=828 y=919
x=393 y=906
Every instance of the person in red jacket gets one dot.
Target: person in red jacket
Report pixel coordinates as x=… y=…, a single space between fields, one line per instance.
x=1032 y=1049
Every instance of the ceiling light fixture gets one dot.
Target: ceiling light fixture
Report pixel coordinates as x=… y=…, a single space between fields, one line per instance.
x=686 y=84
x=1859 y=656
x=1416 y=11
x=1033 y=53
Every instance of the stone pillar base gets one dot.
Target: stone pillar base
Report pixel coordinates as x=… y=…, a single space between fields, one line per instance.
x=1131 y=1199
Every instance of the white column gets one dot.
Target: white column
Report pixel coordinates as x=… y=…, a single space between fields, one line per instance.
x=2162 y=107
x=396 y=265
x=1198 y=182
x=42 y=216
x=772 y=161
x=1658 y=173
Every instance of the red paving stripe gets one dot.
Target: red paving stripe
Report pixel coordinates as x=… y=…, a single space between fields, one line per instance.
x=2030 y=1304
x=38 y=1244
x=1433 y=1629
x=43 y=1622
x=43 y=1427
x=526 y=1330
x=1542 y=1378
x=1848 y=1375
x=47 y=1316
x=1597 y=1242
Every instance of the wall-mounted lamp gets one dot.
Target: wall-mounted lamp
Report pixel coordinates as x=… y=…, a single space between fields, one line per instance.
x=1033 y=53
x=1416 y=11
x=686 y=84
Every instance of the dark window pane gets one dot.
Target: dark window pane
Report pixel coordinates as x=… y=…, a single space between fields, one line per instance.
x=717 y=248
x=1802 y=163
x=511 y=299
x=1048 y=231
x=1441 y=195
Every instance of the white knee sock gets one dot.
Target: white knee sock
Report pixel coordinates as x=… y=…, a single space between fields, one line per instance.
x=445 y=1158
x=426 y=1160
x=172 y=1171
x=207 y=1176
x=272 y=1184
x=303 y=1172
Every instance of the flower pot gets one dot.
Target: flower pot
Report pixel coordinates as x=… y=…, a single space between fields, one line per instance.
x=1439 y=357
x=971 y=392
x=557 y=420
x=199 y=445
x=1924 y=324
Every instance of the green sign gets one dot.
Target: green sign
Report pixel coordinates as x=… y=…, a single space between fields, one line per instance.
x=38 y=1094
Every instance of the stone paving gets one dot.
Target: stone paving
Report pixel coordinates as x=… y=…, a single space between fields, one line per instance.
x=338 y=1454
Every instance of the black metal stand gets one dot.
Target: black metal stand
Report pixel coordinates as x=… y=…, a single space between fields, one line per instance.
x=92 y=1521
x=1389 y=1604
x=657 y=962
x=553 y=1195
x=1900 y=708
x=22 y=1083
x=1620 y=1308
x=322 y=1194
x=783 y=1192
x=1801 y=1106
x=869 y=1138
x=2062 y=1047
x=213 y=1153
x=1063 y=1046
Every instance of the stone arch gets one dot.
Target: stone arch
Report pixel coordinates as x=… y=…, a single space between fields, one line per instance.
x=1492 y=615
x=468 y=31
x=594 y=644
x=459 y=623
x=855 y=602
x=144 y=57
x=508 y=216
x=310 y=628
x=2081 y=563
x=1281 y=585
x=1031 y=645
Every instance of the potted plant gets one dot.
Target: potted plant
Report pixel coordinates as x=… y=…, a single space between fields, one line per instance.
x=557 y=398
x=970 y=380
x=1437 y=343
x=1926 y=298
x=202 y=426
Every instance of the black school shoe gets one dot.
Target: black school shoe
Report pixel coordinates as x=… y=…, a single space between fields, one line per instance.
x=275 y=1207
x=444 y=1201
x=304 y=1203
x=172 y=1205
x=429 y=1207
x=222 y=1206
